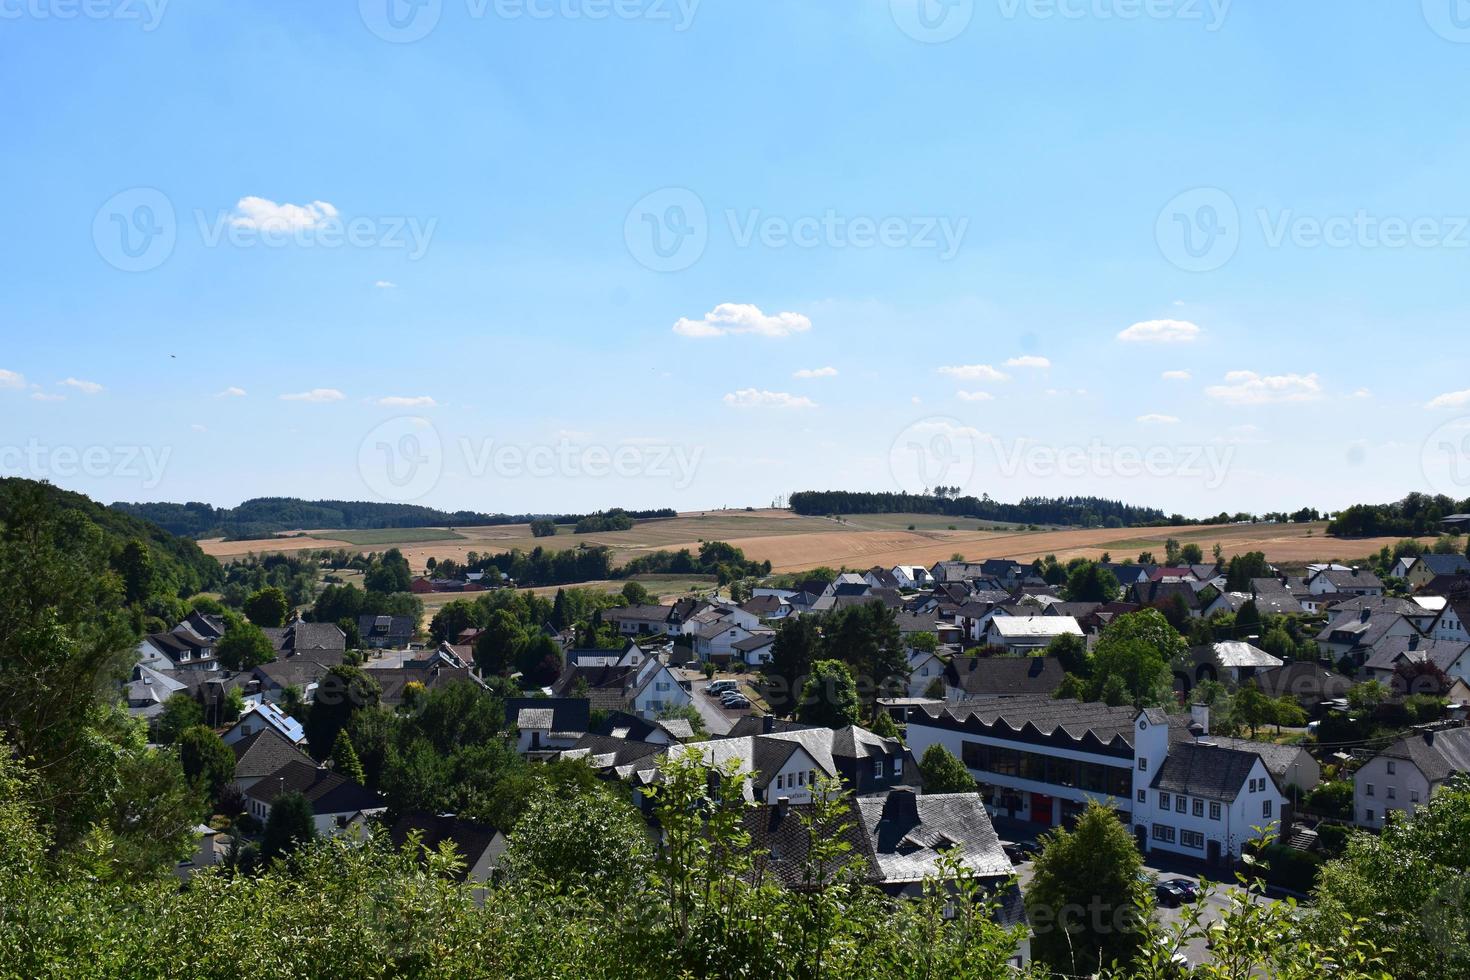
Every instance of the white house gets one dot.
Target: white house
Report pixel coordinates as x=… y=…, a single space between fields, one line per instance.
x=263 y=714
x=1451 y=624
x=654 y=689
x=1407 y=773
x=925 y=667
x=912 y=576
x=1024 y=633
x=1353 y=581
x=337 y=803
x=1199 y=799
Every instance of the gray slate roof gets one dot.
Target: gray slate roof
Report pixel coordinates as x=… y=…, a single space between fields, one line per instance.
x=1438 y=755
x=1207 y=771
x=907 y=834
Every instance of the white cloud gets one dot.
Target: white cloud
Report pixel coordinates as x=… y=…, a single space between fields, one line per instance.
x=821 y=372
x=1028 y=361
x=258 y=214
x=318 y=395
x=1250 y=388
x=385 y=284
x=753 y=398
x=1155 y=419
x=231 y=392
x=1452 y=399
x=408 y=401
x=42 y=396
x=85 y=387
x=1161 y=332
x=10 y=379
x=196 y=427
x=974 y=372
x=739 y=318
x=974 y=396
x=1176 y=375
x=1362 y=393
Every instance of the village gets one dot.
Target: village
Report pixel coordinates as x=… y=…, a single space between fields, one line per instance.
x=1220 y=710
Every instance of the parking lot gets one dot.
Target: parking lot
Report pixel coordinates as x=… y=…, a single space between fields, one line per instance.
x=1156 y=865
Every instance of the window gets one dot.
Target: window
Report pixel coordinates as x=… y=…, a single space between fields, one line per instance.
x=1163 y=801
x=1143 y=765
x=1367 y=816
x=1214 y=811
x=1266 y=809
x=801 y=779
x=811 y=777
x=780 y=782
x=898 y=765
x=1392 y=768
x=878 y=768
x=1413 y=796
x=1371 y=791
x=1199 y=808
x=1143 y=796
x=1393 y=793
x=1163 y=833
x=1180 y=804
x=1192 y=838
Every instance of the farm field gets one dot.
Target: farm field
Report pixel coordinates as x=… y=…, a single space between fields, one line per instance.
x=794 y=543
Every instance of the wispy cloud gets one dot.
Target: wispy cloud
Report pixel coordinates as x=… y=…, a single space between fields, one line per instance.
x=408 y=401
x=385 y=284
x=1161 y=332
x=1028 y=361
x=317 y=395
x=821 y=372
x=259 y=214
x=11 y=379
x=974 y=372
x=1451 y=399
x=1176 y=375
x=1155 y=419
x=85 y=387
x=974 y=396
x=754 y=398
x=1250 y=388
x=742 y=318
x=42 y=396
x=231 y=392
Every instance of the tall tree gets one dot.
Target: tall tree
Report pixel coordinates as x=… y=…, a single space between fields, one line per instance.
x=943 y=773
x=207 y=761
x=268 y=608
x=291 y=825
x=866 y=638
x=342 y=692
x=1090 y=582
x=1084 y=894
x=830 y=697
x=797 y=645
x=244 y=646
x=344 y=759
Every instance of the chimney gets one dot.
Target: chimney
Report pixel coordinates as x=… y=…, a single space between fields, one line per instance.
x=901 y=807
x=768 y=724
x=1199 y=714
x=1429 y=737
x=783 y=806
x=1365 y=615
x=1414 y=642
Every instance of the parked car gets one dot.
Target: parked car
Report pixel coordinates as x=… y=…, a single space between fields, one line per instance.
x=734 y=700
x=1021 y=851
x=719 y=687
x=1169 y=895
x=1189 y=889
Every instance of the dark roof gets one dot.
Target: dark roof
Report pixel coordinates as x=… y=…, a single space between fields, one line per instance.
x=641 y=614
x=1209 y=771
x=763 y=725
x=326 y=791
x=1438 y=755
x=470 y=839
x=1303 y=680
x=301 y=671
x=1279 y=759
x=780 y=840
x=1005 y=676
x=394 y=681
x=604 y=751
x=1045 y=720
x=606 y=686
x=385 y=627
x=1358 y=578
x=1445 y=564
x=299 y=638
x=567 y=714
x=265 y=752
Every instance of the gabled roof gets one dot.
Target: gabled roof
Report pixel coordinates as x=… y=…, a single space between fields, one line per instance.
x=1349 y=580
x=549 y=714
x=1438 y=755
x=1234 y=655
x=1280 y=760
x=1005 y=676
x=1209 y=771
x=1038 y=627
x=908 y=834
x=1088 y=726
x=327 y=792
x=265 y=752
x=470 y=839
x=1416 y=649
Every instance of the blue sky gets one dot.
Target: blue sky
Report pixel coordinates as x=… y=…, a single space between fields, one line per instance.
x=445 y=243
